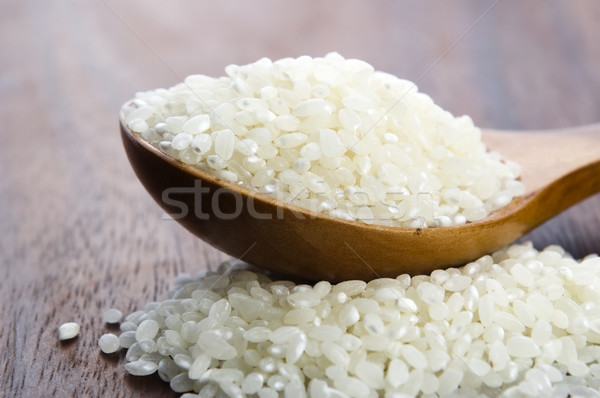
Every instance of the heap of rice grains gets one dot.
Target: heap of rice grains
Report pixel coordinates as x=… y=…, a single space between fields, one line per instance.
x=518 y=323
x=332 y=135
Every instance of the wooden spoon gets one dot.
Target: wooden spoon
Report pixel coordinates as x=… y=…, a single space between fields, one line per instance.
x=560 y=168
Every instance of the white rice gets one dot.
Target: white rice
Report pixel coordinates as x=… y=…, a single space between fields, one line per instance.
x=68 y=330
x=332 y=135
x=109 y=343
x=112 y=315
x=518 y=323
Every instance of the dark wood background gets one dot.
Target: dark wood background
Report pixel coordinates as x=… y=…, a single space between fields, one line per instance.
x=78 y=234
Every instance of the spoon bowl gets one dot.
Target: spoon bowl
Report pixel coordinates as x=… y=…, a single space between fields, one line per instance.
x=560 y=168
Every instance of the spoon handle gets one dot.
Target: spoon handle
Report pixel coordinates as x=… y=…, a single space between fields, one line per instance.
x=548 y=155
x=560 y=167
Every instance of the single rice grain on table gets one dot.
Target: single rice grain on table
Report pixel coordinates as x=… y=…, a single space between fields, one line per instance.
x=112 y=315
x=517 y=323
x=68 y=330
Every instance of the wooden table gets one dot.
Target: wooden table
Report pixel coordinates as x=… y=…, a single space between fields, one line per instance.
x=78 y=234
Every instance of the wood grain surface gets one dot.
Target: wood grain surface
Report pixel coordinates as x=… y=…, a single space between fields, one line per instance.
x=78 y=234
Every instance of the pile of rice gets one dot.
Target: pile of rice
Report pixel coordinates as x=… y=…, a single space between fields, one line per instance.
x=331 y=135
x=518 y=323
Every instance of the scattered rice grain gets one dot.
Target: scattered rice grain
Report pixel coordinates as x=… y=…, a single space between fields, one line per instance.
x=68 y=330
